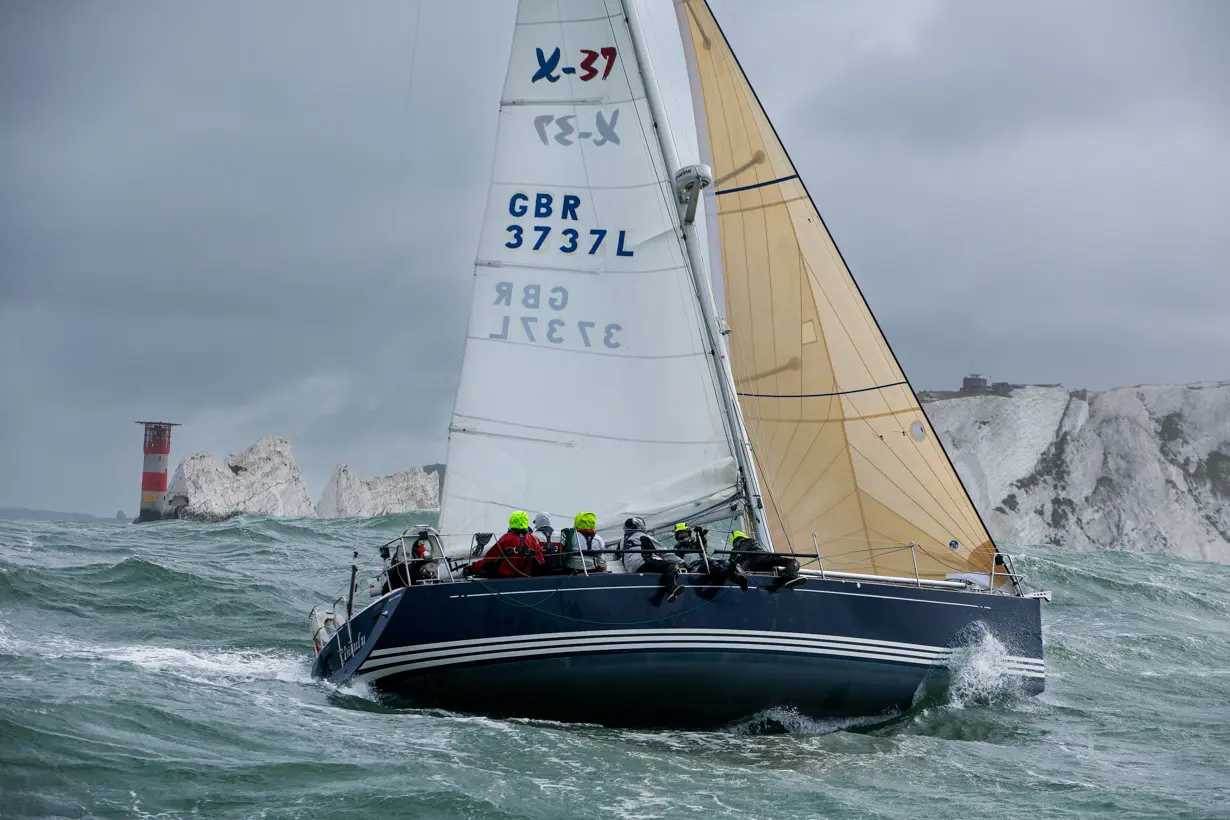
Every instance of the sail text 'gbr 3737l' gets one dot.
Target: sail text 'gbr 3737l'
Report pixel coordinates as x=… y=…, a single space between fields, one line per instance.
x=557 y=328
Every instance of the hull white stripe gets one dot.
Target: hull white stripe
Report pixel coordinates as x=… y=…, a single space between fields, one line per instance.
x=640 y=639
x=1011 y=665
x=727 y=645
x=720 y=633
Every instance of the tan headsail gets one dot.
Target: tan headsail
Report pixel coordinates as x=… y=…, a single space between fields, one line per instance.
x=842 y=446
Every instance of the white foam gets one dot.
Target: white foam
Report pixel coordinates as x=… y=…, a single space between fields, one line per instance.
x=213 y=666
x=796 y=724
x=980 y=673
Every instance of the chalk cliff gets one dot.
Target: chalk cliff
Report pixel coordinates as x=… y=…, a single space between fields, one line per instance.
x=347 y=495
x=1143 y=468
x=263 y=479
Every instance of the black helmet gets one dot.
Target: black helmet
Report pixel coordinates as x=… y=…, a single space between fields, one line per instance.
x=634 y=524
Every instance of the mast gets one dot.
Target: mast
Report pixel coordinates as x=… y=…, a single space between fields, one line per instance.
x=700 y=282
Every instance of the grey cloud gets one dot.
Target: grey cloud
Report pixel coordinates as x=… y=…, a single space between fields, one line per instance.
x=206 y=206
x=253 y=219
x=985 y=70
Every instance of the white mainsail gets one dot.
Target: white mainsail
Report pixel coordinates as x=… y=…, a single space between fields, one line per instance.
x=586 y=382
x=843 y=449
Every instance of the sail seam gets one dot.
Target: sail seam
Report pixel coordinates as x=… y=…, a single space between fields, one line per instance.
x=578 y=20
x=764 y=206
x=495 y=263
x=953 y=522
x=829 y=419
x=861 y=535
x=706 y=442
x=825 y=395
x=516 y=102
x=756 y=185
x=958 y=526
x=588 y=352
x=817 y=431
x=815 y=518
x=692 y=515
x=472 y=432
x=654 y=183
x=820 y=477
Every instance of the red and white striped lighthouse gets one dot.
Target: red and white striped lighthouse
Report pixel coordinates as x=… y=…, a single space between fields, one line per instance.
x=154 y=472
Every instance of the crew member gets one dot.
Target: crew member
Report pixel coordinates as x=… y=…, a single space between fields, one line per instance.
x=691 y=542
x=516 y=554
x=642 y=553
x=545 y=533
x=582 y=545
x=761 y=560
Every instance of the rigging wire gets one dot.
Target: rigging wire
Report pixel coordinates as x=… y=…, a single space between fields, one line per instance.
x=401 y=215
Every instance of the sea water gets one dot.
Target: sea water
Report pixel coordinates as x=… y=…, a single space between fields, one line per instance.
x=163 y=671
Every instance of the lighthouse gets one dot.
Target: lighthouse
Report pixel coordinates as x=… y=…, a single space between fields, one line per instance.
x=154 y=471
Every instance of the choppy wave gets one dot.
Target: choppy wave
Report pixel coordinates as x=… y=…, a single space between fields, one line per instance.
x=162 y=671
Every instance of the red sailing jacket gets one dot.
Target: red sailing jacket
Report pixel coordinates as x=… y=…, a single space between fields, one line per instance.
x=515 y=555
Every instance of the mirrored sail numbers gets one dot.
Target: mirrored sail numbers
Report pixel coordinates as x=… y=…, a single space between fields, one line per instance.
x=545 y=318
x=544 y=327
x=563 y=128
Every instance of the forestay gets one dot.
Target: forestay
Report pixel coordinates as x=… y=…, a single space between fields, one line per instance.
x=585 y=383
x=842 y=447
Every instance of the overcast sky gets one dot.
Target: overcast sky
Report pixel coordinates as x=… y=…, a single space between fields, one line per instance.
x=256 y=218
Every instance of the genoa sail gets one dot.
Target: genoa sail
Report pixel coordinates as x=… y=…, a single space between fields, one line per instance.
x=843 y=448
x=586 y=382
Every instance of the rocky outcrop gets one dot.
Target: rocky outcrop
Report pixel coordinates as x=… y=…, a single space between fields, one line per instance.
x=347 y=495
x=262 y=480
x=1137 y=468
x=265 y=480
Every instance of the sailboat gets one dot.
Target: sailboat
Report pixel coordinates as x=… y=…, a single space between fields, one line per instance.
x=619 y=360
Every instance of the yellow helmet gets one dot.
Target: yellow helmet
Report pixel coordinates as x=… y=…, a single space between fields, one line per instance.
x=681 y=527
x=585 y=521
x=736 y=536
x=519 y=521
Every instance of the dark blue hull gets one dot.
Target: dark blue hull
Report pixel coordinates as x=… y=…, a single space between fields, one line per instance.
x=606 y=648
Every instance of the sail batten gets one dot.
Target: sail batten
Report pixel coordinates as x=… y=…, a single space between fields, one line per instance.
x=841 y=443
x=821 y=395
